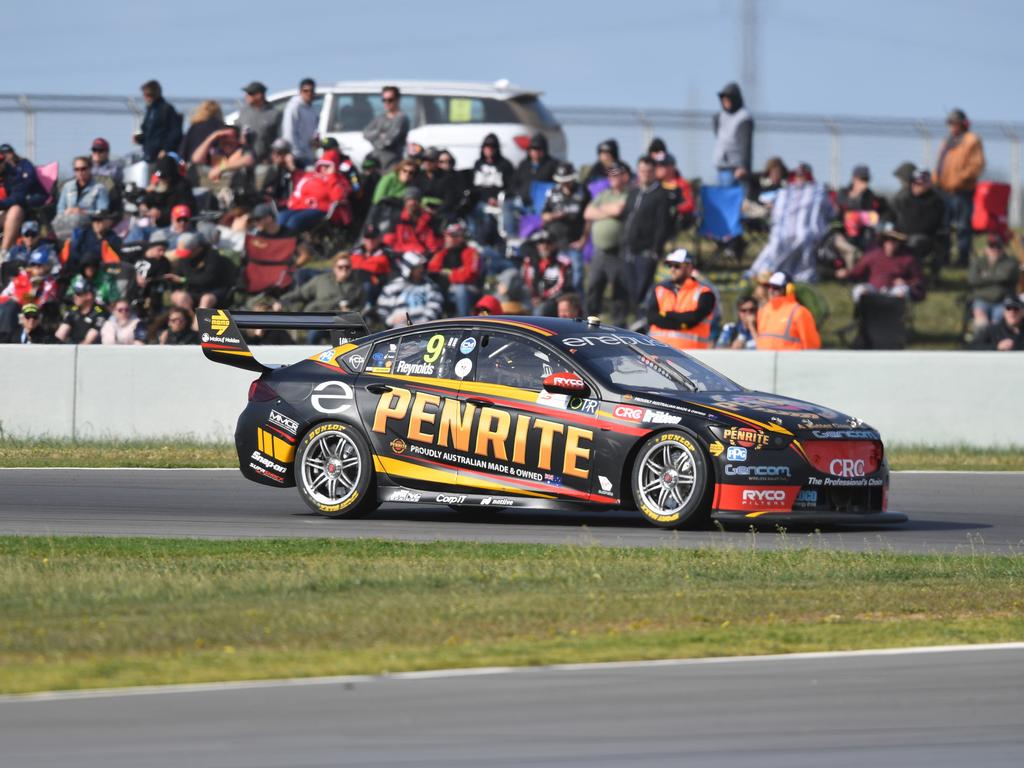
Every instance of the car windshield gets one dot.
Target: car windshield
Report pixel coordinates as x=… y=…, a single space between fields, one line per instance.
x=639 y=363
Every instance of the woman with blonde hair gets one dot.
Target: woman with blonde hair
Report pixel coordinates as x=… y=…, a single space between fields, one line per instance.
x=206 y=118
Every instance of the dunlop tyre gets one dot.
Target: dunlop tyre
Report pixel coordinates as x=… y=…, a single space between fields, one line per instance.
x=334 y=471
x=670 y=480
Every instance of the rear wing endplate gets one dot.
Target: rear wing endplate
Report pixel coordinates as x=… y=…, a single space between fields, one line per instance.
x=220 y=331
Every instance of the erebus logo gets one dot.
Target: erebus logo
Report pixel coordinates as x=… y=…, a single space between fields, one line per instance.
x=847 y=467
x=764 y=496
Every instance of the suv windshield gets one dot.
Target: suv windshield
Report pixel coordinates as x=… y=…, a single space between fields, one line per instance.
x=628 y=361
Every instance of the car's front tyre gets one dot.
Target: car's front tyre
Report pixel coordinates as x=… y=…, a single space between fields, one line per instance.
x=670 y=480
x=334 y=471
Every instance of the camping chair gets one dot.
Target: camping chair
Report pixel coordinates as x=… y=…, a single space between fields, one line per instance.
x=881 y=322
x=267 y=265
x=47 y=175
x=721 y=222
x=991 y=207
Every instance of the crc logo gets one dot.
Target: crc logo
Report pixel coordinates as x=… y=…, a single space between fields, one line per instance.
x=629 y=412
x=760 y=496
x=847 y=467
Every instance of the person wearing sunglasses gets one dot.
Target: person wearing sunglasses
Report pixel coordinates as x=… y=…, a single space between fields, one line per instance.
x=300 y=122
x=388 y=131
x=1008 y=334
x=79 y=198
x=680 y=308
x=743 y=333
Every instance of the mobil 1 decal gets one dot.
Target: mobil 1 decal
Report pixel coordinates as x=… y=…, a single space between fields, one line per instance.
x=488 y=439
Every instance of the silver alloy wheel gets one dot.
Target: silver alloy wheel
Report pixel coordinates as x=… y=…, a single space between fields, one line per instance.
x=667 y=477
x=331 y=468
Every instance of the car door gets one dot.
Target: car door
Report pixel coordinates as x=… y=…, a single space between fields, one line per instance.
x=531 y=441
x=408 y=396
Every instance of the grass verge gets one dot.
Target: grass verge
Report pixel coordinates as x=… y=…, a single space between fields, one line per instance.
x=173 y=453
x=88 y=612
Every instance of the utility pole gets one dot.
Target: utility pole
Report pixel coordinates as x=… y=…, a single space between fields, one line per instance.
x=748 y=51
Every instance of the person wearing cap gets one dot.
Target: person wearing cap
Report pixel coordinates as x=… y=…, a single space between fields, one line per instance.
x=782 y=322
x=200 y=269
x=388 y=131
x=278 y=176
x=455 y=267
x=372 y=262
x=679 y=309
x=31 y=330
x=607 y=156
x=103 y=166
x=538 y=165
x=97 y=237
x=33 y=284
x=547 y=273
x=682 y=206
x=160 y=131
x=562 y=217
x=18 y=255
x=493 y=177
x=1007 y=335
x=22 y=194
x=318 y=195
x=993 y=278
x=260 y=120
x=646 y=229
x=79 y=198
x=733 y=127
x=862 y=211
x=888 y=269
x=81 y=324
x=488 y=305
x=415 y=230
x=300 y=122
x=151 y=267
x=411 y=297
x=605 y=214
x=960 y=165
x=923 y=212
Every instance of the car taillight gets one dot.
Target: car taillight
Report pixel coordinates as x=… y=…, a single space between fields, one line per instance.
x=260 y=391
x=523 y=142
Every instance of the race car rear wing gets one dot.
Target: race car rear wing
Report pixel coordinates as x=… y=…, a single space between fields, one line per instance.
x=223 y=342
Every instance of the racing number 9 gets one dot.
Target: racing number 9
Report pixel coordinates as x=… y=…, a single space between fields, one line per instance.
x=435 y=346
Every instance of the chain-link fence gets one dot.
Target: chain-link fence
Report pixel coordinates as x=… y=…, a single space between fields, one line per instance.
x=59 y=126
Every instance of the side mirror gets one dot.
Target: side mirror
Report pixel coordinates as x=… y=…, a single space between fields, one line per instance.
x=565 y=383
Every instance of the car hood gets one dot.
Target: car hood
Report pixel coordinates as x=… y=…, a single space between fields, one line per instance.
x=773 y=413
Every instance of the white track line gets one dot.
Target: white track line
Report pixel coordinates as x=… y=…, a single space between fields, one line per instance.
x=436 y=674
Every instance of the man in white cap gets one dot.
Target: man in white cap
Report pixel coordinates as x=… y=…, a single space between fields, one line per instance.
x=783 y=323
x=411 y=297
x=681 y=307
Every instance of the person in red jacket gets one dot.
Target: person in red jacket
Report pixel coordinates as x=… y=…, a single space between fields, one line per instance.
x=316 y=196
x=547 y=273
x=414 y=230
x=456 y=268
x=888 y=269
x=678 y=189
x=372 y=262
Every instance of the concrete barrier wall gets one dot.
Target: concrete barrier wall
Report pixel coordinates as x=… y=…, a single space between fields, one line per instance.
x=934 y=398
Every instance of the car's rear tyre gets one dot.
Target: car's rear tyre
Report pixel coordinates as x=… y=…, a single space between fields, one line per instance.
x=670 y=480
x=334 y=471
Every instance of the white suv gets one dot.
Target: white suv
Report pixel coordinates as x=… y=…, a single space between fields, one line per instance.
x=446 y=115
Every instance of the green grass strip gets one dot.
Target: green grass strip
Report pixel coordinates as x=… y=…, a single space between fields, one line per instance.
x=89 y=612
x=176 y=454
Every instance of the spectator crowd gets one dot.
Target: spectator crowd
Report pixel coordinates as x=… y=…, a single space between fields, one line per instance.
x=240 y=215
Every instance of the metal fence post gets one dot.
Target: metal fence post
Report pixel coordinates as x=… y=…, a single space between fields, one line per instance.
x=647 y=129
x=30 y=127
x=1015 y=180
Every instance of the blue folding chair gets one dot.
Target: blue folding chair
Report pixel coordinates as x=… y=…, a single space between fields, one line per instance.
x=538 y=194
x=721 y=218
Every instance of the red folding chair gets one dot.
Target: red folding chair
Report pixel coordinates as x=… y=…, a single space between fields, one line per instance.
x=268 y=264
x=991 y=207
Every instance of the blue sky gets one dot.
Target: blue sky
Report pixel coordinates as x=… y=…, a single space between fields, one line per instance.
x=870 y=57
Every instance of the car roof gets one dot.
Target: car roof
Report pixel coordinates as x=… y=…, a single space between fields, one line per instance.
x=499 y=89
x=541 y=327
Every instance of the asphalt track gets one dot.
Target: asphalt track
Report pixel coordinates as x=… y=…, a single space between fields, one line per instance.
x=932 y=709
x=949 y=512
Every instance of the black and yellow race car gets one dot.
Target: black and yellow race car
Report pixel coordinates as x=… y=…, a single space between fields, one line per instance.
x=509 y=412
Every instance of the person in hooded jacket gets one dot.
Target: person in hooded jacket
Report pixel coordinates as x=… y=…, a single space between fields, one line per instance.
x=607 y=156
x=314 y=196
x=538 y=165
x=493 y=176
x=734 y=137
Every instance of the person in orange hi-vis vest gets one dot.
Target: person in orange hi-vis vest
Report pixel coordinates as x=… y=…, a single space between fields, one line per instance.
x=680 y=308
x=783 y=323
